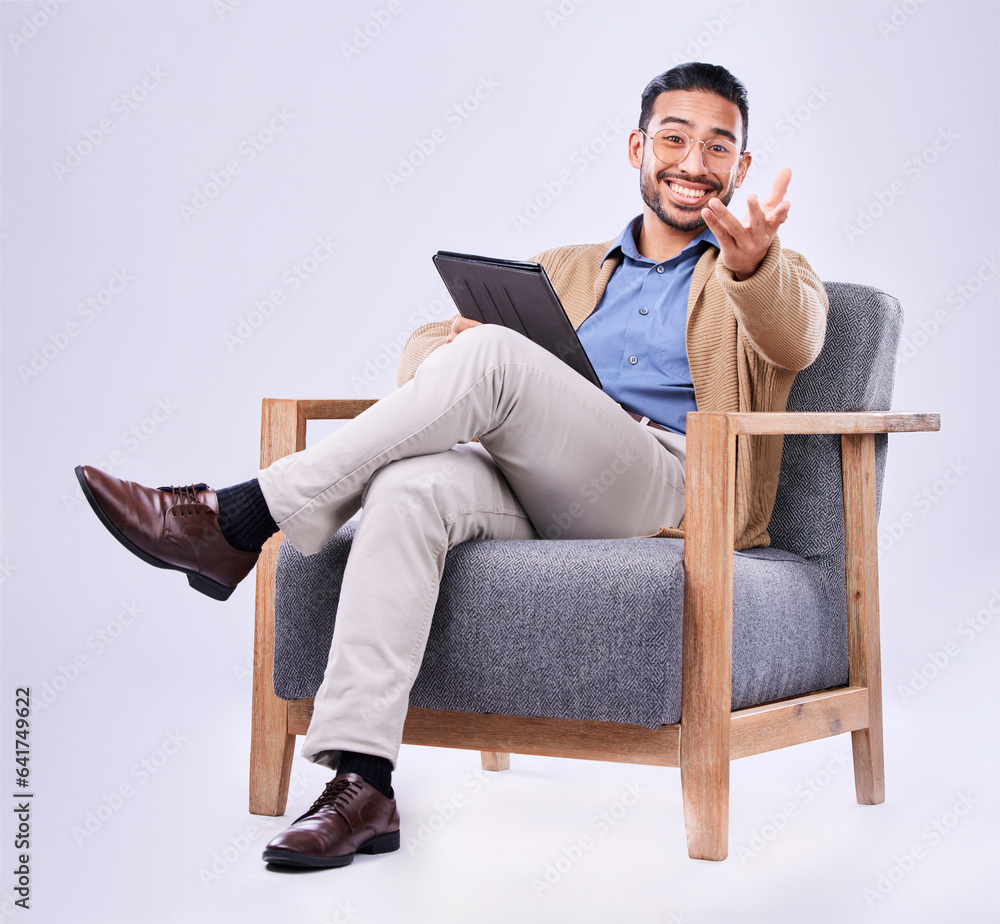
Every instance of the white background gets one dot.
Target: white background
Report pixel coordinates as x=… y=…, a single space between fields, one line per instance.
x=850 y=95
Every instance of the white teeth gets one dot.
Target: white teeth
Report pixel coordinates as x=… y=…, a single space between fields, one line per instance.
x=685 y=191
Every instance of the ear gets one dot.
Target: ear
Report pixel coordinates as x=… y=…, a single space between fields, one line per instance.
x=635 y=142
x=742 y=168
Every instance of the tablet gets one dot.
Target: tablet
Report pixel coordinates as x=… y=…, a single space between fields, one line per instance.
x=517 y=295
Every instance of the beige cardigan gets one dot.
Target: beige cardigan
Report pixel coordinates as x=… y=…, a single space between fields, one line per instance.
x=745 y=342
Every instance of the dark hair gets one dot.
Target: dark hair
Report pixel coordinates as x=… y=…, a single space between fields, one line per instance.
x=696 y=75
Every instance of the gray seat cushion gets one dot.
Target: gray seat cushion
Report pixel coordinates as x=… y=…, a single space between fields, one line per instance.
x=513 y=634
x=608 y=641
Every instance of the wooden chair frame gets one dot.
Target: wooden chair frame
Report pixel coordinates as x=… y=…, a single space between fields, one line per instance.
x=710 y=734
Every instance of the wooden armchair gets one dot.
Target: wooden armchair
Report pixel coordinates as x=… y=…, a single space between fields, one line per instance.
x=710 y=733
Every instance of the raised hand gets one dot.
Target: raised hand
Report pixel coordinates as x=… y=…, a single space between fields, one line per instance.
x=744 y=244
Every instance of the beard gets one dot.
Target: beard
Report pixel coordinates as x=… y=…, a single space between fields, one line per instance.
x=651 y=197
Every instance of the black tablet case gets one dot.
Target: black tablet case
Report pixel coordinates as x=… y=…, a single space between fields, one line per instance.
x=517 y=295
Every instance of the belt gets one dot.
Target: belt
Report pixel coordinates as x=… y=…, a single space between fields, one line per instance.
x=647 y=421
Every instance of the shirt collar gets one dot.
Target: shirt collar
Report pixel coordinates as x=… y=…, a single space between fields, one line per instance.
x=626 y=241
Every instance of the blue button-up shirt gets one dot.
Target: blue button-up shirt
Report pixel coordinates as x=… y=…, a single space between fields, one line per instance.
x=635 y=337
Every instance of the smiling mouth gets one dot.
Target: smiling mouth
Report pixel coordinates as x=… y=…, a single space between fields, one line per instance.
x=688 y=193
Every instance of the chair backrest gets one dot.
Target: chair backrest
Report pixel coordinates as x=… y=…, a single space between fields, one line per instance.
x=854 y=372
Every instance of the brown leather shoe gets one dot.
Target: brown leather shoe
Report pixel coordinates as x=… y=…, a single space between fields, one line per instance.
x=351 y=816
x=174 y=528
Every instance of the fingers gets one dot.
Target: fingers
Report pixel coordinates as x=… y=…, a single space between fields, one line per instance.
x=744 y=244
x=779 y=214
x=725 y=238
x=726 y=219
x=779 y=188
x=459 y=324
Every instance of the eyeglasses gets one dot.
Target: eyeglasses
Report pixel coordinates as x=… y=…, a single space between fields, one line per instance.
x=671 y=146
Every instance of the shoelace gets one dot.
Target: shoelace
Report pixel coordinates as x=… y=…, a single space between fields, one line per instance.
x=337 y=794
x=183 y=497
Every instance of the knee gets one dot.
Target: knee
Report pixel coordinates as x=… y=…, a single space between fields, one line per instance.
x=411 y=484
x=492 y=343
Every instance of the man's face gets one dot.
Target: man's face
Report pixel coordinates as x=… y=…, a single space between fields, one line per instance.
x=676 y=194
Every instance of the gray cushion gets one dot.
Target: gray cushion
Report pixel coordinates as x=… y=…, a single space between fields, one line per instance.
x=609 y=642
x=854 y=372
x=512 y=634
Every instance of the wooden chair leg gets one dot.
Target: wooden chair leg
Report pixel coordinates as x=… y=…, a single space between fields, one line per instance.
x=865 y=670
x=495 y=760
x=271 y=753
x=271 y=746
x=706 y=691
x=705 y=794
x=282 y=431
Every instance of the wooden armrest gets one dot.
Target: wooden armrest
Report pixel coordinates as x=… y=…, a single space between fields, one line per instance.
x=333 y=408
x=841 y=422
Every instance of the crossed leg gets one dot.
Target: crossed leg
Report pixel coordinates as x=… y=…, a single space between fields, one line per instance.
x=557 y=458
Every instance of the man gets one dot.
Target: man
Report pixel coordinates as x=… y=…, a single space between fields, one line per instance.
x=689 y=308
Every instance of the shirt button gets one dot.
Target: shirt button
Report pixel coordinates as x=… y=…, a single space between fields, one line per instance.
x=633 y=360
x=659 y=269
x=643 y=311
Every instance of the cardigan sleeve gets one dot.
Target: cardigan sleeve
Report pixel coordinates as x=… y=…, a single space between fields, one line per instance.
x=420 y=344
x=781 y=308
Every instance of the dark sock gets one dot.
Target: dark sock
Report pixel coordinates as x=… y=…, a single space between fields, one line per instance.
x=244 y=518
x=374 y=770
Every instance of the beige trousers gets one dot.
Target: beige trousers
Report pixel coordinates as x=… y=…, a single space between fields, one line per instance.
x=556 y=458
